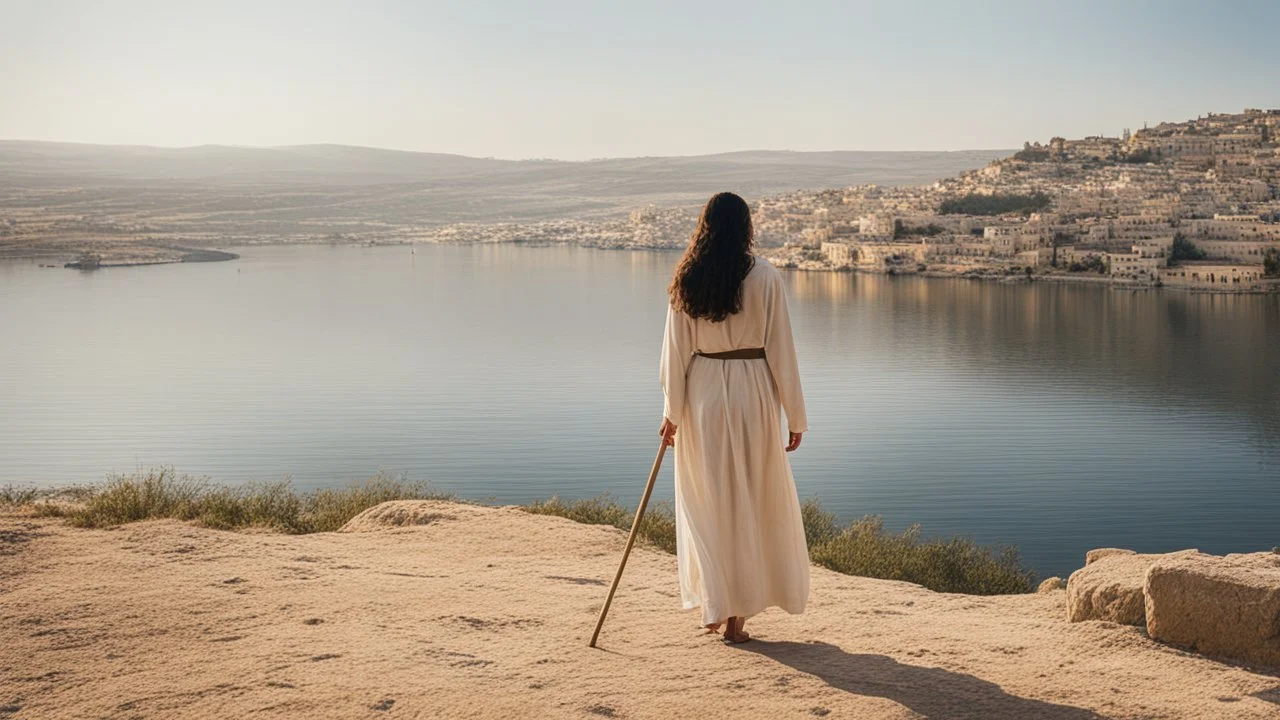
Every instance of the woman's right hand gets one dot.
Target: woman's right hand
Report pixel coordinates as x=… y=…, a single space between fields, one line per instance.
x=793 y=441
x=668 y=432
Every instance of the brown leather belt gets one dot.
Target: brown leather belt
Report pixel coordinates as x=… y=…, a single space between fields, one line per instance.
x=739 y=354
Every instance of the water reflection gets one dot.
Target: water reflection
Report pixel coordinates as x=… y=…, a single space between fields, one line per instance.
x=1165 y=348
x=1056 y=417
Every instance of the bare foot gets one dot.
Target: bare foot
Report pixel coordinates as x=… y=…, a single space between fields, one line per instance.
x=713 y=628
x=733 y=632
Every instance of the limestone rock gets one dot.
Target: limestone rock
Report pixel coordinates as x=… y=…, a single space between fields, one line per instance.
x=1051 y=584
x=1223 y=606
x=1109 y=588
x=1097 y=554
x=401 y=513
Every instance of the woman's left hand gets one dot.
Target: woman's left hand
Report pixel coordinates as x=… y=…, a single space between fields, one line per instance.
x=794 y=441
x=668 y=432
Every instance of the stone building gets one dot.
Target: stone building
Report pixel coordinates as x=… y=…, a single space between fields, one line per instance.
x=840 y=254
x=877 y=225
x=1133 y=265
x=1039 y=257
x=1239 y=251
x=1004 y=239
x=1209 y=274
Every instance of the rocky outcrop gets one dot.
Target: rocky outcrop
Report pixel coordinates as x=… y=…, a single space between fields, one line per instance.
x=1051 y=585
x=1224 y=606
x=403 y=513
x=1109 y=588
x=1097 y=554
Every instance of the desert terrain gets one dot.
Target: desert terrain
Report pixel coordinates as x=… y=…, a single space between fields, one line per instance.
x=432 y=609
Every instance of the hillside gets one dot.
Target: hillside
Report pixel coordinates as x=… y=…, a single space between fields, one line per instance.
x=1131 y=209
x=59 y=199
x=27 y=163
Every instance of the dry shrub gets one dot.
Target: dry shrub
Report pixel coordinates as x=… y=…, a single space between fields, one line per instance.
x=863 y=547
x=162 y=493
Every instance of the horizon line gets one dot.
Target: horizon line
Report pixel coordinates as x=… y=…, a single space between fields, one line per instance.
x=232 y=146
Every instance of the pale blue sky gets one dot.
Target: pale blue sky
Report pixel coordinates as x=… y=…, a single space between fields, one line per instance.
x=576 y=79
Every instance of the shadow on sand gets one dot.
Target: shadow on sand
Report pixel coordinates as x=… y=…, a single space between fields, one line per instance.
x=931 y=692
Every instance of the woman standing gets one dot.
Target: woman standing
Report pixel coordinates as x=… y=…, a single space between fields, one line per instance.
x=728 y=370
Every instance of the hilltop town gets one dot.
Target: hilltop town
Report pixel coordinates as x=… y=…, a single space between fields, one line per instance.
x=1192 y=204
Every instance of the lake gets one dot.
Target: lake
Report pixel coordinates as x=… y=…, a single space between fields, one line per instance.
x=1057 y=417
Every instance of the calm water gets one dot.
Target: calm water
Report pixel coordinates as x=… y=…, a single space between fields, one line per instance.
x=1058 y=418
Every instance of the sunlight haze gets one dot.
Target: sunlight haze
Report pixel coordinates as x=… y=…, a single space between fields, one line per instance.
x=578 y=80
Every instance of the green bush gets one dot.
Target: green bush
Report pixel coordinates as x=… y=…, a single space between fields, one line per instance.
x=1184 y=249
x=1092 y=263
x=977 y=204
x=820 y=526
x=1271 y=263
x=901 y=230
x=955 y=564
x=1138 y=157
x=862 y=547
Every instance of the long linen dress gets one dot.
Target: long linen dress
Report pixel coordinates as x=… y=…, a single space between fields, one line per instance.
x=739 y=536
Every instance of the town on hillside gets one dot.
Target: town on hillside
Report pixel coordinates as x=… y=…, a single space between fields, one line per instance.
x=1193 y=204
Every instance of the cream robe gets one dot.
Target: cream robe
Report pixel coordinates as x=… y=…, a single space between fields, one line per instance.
x=739 y=536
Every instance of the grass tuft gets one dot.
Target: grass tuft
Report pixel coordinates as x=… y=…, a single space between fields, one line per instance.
x=162 y=493
x=329 y=509
x=43 y=502
x=658 y=527
x=15 y=496
x=955 y=565
x=863 y=547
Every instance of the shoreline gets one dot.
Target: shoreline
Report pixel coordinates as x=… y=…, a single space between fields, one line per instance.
x=1268 y=286
x=189 y=255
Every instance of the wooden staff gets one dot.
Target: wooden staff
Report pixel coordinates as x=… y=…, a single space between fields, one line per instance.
x=631 y=539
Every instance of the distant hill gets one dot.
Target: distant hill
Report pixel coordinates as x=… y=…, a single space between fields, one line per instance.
x=439 y=188
x=221 y=164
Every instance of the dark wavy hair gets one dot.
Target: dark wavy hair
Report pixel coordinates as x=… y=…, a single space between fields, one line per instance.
x=708 y=280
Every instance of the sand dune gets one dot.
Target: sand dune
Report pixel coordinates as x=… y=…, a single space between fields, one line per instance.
x=485 y=612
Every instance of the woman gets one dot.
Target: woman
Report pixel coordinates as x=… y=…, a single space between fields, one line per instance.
x=728 y=363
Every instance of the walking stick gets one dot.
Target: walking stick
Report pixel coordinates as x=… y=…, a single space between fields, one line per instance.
x=631 y=539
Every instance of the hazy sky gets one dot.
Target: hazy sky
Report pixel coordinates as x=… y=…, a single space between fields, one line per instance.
x=578 y=80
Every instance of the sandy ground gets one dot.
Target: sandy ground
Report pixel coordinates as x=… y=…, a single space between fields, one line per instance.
x=486 y=612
